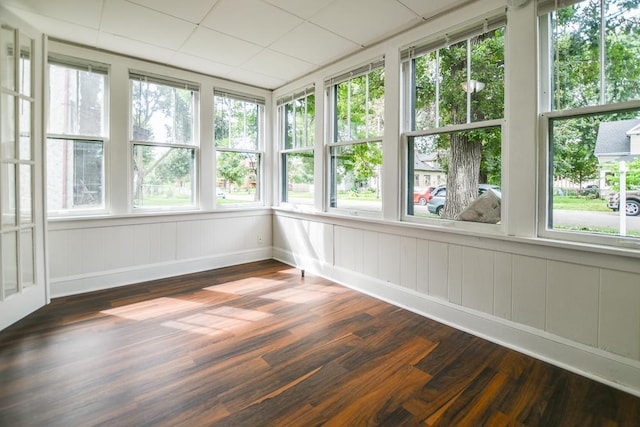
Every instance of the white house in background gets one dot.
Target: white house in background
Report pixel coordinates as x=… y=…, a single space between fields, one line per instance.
x=619 y=140
x=427 y=171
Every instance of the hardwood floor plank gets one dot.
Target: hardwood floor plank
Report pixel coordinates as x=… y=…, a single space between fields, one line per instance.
x=259 y=345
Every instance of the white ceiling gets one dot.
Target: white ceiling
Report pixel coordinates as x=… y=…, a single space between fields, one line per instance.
x=265 y=43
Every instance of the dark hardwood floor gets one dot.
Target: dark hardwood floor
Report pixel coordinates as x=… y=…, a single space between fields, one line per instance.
x=258 y=345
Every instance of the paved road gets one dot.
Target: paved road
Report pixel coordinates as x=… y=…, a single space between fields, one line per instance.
x=594 y=219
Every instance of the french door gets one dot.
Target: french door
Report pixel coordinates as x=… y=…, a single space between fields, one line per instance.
x=22 y=273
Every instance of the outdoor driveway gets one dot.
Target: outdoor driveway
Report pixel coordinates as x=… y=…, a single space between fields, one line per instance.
x=594 y=219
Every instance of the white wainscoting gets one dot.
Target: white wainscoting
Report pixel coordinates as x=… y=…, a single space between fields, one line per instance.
x=577 y=309
x=88 y=255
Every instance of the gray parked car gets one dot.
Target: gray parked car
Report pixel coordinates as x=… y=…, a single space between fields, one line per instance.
x=633 y=202
x=436 y=204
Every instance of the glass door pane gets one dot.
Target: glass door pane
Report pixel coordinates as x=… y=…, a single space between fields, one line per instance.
x=6 y=56
x=10 y=263
x=27 y=263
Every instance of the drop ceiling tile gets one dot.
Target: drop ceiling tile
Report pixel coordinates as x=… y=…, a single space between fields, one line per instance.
x=60 y=29
x=83 y=12
x=251 y=20
x=192 y=10
x=218 y=47
x=255 y=79
x=427 y=9
x=365 y=21
x=314 y=44
x=200 y=65
x=277 y=65
x=302 y=8
x=139 y=23
x=135 y=48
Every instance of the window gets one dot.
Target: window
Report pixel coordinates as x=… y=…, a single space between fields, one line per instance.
x=238 y=140
x=591 y=113
x=77 y=134
x=453 y=124
x=355 y=148
x=164 y=142
x=297 y=134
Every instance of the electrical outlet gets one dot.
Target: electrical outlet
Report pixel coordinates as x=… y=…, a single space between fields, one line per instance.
x=259 y=239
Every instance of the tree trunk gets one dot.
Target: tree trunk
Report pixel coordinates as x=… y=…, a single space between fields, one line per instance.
x=462 y=174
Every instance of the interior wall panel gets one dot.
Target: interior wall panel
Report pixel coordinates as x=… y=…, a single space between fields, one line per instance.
x=408 y=262
x=619 y=313
x=572 y=301
x=502 y=294
x=438 y=270
x=389 y=258
x=422 y=267
x=529 y=291
x=477 y=279
x=454 y=274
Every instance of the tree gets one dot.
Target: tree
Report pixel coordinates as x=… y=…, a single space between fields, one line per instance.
x=632 y=178
x=445 y=95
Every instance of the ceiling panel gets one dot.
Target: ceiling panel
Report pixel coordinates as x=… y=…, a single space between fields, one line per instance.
x=251 y=20
x=82 y=12
x=59 y=29
x=193 y=11
x=302 y=8
x=201 y=65
x=314 y=44
x=218 y=47
x=432 y=7
x=129 y=20
x=130 y=47
x=365 y=21
x=278 y=65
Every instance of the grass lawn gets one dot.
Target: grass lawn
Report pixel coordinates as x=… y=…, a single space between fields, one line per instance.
x=573 y=203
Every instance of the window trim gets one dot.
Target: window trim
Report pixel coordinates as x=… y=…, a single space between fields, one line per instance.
x=259 y=151
x=407 y=80
x=280 y=115
x=80 y=64
x=194 y=145
x=547 y=112
x=331 y=137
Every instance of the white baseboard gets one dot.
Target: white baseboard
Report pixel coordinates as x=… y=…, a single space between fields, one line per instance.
x=77 y=284
x=593 y=363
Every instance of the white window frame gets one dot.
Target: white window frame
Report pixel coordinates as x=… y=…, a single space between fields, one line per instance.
x=193 y=145
x=100 y=68
x=302 y=147
x=547 y=114
x=332 y=140
x=407 y=55
x=258 y=151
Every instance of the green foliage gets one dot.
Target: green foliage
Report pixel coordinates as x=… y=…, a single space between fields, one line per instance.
x=632 y=178
x=232 y=167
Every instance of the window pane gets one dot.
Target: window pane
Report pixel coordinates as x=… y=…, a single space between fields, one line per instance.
x=425 y=112
x=237 y=123
x=8 y=112
x=453 y=81
x=588 y=154
x=25 y=122
x=289 y=125
x=360 y=107
x=455 y=168
x=486 y=85
x=8 y=192
x=8 y=64
x=238 y=174
x=622 y=50
x=163 y=176
x=26 y=257
x=25 y=64
x=10 y=263
x=298 y=176
x=576 y=55
x=356 y=176
x=75 y=176
x=76 y=101
x=162 y=113
x=26 y=202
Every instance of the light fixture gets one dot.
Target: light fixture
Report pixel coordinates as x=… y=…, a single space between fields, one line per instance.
x=473 y=86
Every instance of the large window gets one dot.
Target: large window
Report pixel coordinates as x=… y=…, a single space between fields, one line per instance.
x=591 y=106
x=296 y=115
x=77 y=134
x=454 y=91
x=355 y=147
x=164 y=142
x=238 y=127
